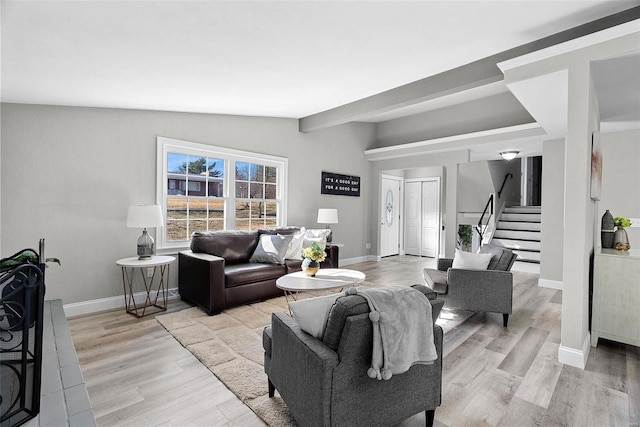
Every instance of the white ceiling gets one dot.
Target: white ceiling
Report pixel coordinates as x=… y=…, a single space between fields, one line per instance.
x=264 y=58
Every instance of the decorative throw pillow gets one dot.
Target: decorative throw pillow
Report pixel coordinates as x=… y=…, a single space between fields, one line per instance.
x=271 y=249
x=294 y=251
x=311 y=314
x=470 y=260
x=318 y=236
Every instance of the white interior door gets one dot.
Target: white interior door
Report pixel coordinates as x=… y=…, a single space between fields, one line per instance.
x=422 y=217
x=430 y=218
x=390 y=216
x=412 y=217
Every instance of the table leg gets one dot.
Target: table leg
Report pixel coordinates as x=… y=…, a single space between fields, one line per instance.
x=162 y=287
x=130 y=302
x=147 y=288
x=294 y=297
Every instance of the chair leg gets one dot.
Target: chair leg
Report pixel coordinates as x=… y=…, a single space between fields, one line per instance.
x=505 y=319
x=272 y=388
x=430 y=416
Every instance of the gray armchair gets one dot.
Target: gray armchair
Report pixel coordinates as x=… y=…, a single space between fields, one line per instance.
x=479 y=290
x=325 y=383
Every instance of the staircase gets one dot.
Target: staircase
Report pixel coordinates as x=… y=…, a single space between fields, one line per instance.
x=518 y=229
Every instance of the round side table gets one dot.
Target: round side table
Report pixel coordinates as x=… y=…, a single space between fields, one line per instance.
x=159 y=275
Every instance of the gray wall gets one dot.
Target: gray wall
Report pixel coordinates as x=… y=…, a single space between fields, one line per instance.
x=69 y=173
x=426 y=172
x=552 y=235
x=474 y=186
x=621 y=179
x=477 y=180
x=511 y=191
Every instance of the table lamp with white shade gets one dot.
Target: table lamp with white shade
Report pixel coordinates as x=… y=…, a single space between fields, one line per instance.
x=327 y=216
x=143 y=216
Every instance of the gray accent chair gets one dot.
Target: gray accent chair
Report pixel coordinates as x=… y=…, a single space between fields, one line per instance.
x=488 y=290
x=325 y=382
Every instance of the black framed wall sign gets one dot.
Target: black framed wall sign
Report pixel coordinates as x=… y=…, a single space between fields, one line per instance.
x=341 y=185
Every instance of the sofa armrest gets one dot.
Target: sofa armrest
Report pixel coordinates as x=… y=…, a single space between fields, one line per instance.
x=301 y=369
x=289 y=338
x=436 y=303
x=485 y=290
x=332 y=256
x=444 y=264
x=201 y=280
x=428 y=292
x=436 y=308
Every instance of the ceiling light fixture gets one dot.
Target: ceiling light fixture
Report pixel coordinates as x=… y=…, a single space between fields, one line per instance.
x=509 y=155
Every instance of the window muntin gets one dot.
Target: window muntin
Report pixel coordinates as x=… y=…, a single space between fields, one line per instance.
x=212 y=188
x=256 y=201
x=192 y=180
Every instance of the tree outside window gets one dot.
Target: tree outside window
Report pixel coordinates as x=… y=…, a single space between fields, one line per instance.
x=206 y=188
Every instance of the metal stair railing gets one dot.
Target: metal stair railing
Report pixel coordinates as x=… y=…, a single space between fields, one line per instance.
x=507 y=176
x=488 y=212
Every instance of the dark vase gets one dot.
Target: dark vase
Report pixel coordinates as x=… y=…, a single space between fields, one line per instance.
x=607 y=230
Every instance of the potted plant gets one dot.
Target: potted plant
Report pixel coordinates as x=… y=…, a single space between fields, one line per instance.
x=621 y=238
x=25 y=256
x=313 y=256
x=465 y=237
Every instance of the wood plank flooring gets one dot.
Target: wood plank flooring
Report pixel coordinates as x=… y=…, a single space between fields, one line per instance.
x=138 y=375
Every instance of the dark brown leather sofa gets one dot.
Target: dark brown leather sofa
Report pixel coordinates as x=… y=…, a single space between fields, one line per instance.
x=216 y=273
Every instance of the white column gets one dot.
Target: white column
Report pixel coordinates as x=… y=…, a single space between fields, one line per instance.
x=578 y=216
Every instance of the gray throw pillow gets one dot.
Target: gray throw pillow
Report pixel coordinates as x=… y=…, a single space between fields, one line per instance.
x=271 y=249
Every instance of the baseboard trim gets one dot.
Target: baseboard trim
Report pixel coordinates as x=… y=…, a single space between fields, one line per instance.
x=551 y=284
x=110 y=303
x=577 y=358
x=356 y=260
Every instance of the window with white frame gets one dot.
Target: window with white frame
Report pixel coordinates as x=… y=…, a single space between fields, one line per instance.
x=202 y=187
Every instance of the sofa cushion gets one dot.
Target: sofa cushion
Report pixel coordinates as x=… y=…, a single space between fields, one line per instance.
x=434 y=277
x=271 y=249
x=240 y=274
x=501 y=259
x=285 y=231
x=235 y=246
x=311 y=313
x=436 y=280
x=318 y=236
x=470 y=260
x=295 y=246
x=293 y=265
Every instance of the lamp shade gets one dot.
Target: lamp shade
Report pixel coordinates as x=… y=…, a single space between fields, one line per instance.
x=327 y=216
x=143 y=216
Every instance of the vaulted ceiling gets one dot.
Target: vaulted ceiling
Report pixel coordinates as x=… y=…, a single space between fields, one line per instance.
x=265 y=58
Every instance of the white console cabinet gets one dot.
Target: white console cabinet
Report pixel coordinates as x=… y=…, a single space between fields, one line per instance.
x=616 y=296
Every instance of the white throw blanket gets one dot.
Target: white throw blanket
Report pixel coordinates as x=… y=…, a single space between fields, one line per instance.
x=402 y=329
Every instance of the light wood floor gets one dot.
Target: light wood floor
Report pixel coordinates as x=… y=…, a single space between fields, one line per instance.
x=138 y=375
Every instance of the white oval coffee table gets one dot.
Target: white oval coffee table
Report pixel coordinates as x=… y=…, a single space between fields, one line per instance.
x=325 y=278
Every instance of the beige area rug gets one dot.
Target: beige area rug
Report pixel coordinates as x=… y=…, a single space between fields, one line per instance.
x=230 y=345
